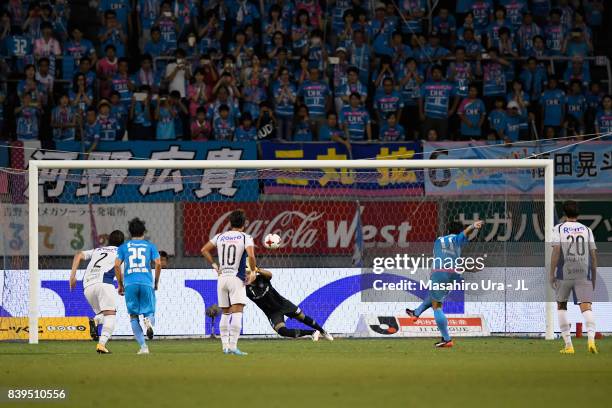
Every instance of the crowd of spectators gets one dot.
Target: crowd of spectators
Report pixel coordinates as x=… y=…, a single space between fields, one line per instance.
x=301 y=70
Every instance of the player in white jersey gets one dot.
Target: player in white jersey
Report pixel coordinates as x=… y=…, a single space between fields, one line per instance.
x=233 y=249
x=574 y=269
x=98 y=287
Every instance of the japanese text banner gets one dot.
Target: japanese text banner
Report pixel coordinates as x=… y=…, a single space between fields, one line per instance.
x=121 y=185
x=583 y=168
x=375 y=182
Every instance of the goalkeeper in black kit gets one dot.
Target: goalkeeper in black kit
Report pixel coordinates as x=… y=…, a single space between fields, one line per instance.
x=276 y=307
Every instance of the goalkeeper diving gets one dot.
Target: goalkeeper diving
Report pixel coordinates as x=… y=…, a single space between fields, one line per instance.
x=445 y=248
x=276 y=307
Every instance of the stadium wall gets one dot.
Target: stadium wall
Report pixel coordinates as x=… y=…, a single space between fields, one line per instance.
x=330 y=295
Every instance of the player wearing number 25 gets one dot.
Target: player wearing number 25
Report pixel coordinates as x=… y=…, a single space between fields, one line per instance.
x=137 y=283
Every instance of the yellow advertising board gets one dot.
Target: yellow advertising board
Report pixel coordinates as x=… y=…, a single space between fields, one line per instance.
x=49 y=328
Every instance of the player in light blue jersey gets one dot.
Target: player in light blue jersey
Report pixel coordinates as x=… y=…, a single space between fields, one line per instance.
x=447 y=250
x=137 y=283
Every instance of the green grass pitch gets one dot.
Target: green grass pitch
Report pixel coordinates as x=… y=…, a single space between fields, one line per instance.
x=299 y=373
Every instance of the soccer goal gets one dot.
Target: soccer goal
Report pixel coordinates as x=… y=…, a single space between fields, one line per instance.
x=335 y=218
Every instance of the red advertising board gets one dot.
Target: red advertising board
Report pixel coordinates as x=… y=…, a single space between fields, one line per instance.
x=315 y=227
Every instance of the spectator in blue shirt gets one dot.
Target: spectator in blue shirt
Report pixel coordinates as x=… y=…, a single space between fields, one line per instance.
x=460 y=72
x=331 y=131
x=165 y=119
x=515 y=9
x=285 y=95
x=603 y=118
x=353 y=84
x=140 y=115
x=445 y=26
x=246 y=132
x=555 y=33
x=512 y=129
x=390 y=130
x=79 y=47
x=498 y=116
x=388 y=100
x=113 y=34
x=533 y=76
x=147 y=10
x=91 y=130
x=64 y=120
x=576 y=106
x=438 y=102
x=494 y=74
x=302 y=127
x=577 y=45
x=121 y=9
x=482 y=10
x=109 y=127
x=577 y=70
x=553 y=106
x=356 y=121
x=315 y=94
x=223 y=125
x=472 y=113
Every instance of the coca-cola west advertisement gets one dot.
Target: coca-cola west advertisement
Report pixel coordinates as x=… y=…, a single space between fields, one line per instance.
x=315 y=227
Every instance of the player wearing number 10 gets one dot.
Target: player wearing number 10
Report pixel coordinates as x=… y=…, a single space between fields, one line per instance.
x=233 y=249
x=138 y=285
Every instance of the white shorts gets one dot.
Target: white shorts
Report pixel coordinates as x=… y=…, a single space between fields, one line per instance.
x=581 y=289
x=231 y=291
x=101 y=296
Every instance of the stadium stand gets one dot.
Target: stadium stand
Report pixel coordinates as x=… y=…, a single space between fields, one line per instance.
x=302 y=70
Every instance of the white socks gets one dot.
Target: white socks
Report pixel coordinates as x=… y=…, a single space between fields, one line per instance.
x=234 y=330
x=565 y=327
x=108 y=326
x=589 y=322
x=224 y=329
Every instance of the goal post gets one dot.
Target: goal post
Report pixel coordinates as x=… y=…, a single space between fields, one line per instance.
x=547 y=165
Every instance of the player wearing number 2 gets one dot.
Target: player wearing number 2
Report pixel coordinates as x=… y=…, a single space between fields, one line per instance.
x=138 y=285
x=573 y=268
x=233 y=249
x=98 y=287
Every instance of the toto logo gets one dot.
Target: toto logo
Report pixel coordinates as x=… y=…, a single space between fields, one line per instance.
x=62 y=328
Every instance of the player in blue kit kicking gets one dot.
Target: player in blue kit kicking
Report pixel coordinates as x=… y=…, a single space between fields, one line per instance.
x=137 y=283
x=446 y=250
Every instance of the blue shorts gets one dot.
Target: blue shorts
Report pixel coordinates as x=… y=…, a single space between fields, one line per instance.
x=140 y=299
x=442 y=277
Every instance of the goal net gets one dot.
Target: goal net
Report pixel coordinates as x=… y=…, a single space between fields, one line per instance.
x=352 y=236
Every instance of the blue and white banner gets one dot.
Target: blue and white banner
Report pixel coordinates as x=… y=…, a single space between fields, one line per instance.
x=332 y=296
x=379 y=182
x=584 y=168
x=121 y=185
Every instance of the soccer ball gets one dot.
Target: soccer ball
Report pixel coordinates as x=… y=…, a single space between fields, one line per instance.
x=272 y=241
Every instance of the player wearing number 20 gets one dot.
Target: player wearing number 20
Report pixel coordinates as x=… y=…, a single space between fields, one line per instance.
x=98 y=287
x=233 y=249
x=138 y=285
x=573 y=269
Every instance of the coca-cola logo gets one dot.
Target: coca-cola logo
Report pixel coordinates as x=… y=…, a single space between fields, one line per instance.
x=295 y=228
x=317 y=227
